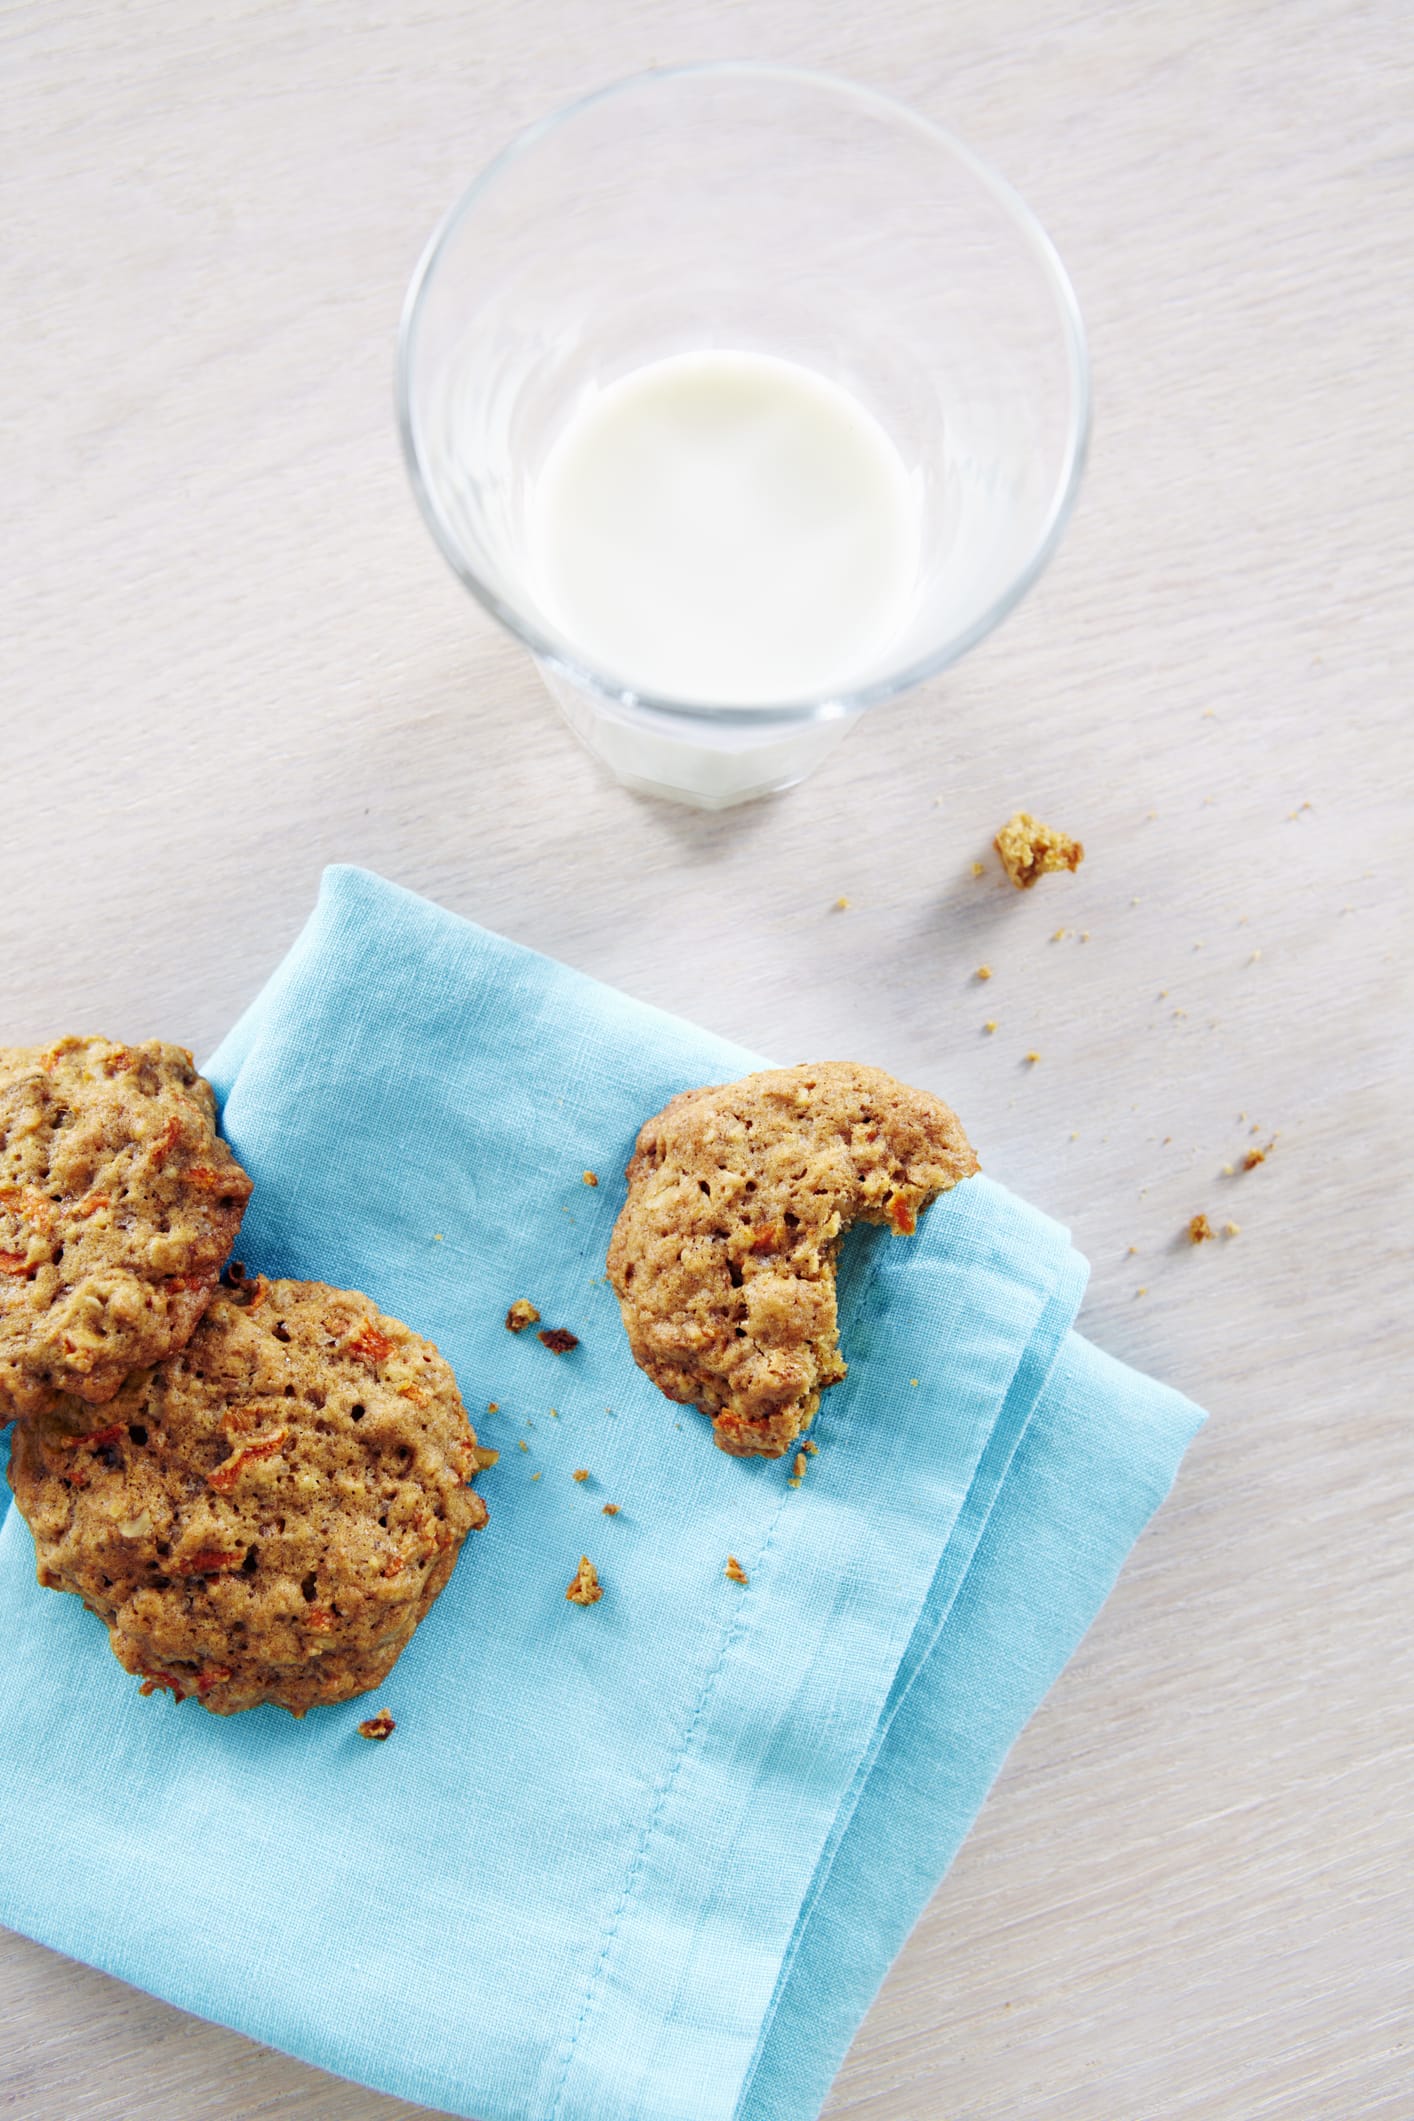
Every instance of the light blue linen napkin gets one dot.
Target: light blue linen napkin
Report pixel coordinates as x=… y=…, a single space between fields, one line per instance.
x=649 y=1860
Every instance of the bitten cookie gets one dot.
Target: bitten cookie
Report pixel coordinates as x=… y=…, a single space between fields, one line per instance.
x=118 y=1205
x=723 y=1258
x=268 y=1514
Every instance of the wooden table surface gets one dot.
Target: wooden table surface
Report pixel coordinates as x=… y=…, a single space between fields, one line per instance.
x=230 y=654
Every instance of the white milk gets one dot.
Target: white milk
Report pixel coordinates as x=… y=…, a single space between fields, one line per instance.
x=727 y=528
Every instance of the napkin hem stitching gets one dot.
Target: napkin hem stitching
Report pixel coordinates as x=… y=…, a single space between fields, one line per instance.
x=661 y=1796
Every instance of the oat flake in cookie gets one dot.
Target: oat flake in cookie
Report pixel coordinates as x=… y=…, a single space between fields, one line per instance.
x=723 y=1258
x=268 y=1514
x=118 y=1204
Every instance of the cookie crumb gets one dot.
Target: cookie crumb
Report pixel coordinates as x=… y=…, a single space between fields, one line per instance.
x=734 y=1572
x=798 y=1468
x=521 y=1314
x=1132 y=1250
x=580 y=1473
x=591 y=1178
x=1060 y=935
x=990 y=1025
x=979 y=868
x=1199 y=1230
x=437 y=1238
x=1253 y=1157
x=1029 y=849
x=484 y=1456
x=1032 y=1058
x=559 y=1340
x=379 y=1726
x=493 y=1406
x=611 y=1509
x=983 y=972
x=524 y=1446
x=585 y=1588
x=1232 y=1229
x=841 y=905
x=812 y=1448
x=537 y=1476
x=1142 y=1292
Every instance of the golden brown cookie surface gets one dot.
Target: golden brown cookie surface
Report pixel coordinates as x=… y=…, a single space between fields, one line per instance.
x=723 y=1257
x=269 y=1513
x=118 y=1204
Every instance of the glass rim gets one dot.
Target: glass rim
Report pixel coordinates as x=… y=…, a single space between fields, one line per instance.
x=818 y=707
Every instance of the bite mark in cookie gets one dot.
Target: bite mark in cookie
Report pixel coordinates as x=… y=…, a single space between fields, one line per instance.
x=118 y=1204
x=723 y=1258
x=269 y=1513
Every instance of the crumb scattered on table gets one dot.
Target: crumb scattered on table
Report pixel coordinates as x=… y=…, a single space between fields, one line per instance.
x=559 y=1340
x=1029 y=849
x=493 y=1406
x=983 y=972
x=591 y=1178
x=524 y=1446
x=991 y=1024
x=378 y=1726
x=811 y=1447
x=585 y=1587
x=841 y=905
x=1032 y=1058
x=734 y=1572
x=580 y=1473
x=1060 y=935
x=611 y=1509
x=1232 y=1229
x=1199 y=1230
x=521 y=1314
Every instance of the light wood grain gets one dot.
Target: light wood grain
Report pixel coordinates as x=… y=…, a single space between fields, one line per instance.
x=231 y=654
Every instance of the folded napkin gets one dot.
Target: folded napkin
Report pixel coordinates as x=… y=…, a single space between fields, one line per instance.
x=648 y=1860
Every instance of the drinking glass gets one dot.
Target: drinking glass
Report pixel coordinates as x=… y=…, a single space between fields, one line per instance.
x=758 y=209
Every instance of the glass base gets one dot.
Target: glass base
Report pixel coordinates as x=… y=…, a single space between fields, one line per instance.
x=712 y=769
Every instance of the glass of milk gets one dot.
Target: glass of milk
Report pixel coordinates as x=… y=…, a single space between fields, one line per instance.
x=748 y=400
